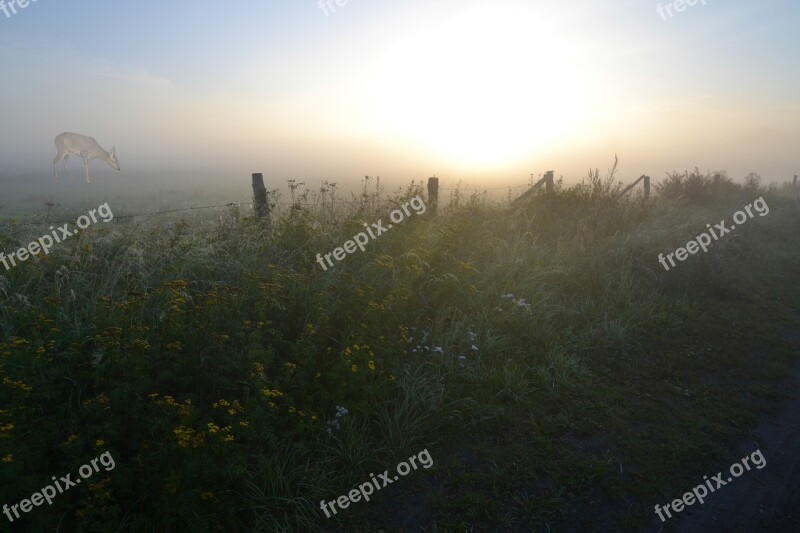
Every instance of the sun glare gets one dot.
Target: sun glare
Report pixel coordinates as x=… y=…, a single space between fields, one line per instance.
x=487 y=87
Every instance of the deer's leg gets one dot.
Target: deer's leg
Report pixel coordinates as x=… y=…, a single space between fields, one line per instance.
x=86 y=168
x=64 y=161
x=55 y=162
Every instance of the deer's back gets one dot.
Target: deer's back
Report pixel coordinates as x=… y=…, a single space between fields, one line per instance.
x=74 y=141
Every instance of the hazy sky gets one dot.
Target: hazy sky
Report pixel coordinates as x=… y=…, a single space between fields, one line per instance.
x=489 y=91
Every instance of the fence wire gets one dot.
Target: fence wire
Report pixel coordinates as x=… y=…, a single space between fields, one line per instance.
x=18 y=225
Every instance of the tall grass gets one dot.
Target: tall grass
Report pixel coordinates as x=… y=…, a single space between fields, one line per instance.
x=209 y=354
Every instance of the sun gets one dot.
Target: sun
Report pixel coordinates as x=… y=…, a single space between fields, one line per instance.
x=486 y=87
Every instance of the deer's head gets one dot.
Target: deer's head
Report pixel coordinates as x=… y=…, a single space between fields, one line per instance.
x=112 y=158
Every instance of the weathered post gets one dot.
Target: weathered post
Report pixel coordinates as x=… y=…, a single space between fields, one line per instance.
x=260 y=198
x=433 y=195
x=794 y=185
x=646 y=187
x=549 y=182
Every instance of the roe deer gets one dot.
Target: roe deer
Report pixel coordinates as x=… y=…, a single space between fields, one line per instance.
x=87 y=148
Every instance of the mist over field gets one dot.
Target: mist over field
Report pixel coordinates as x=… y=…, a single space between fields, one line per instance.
x=338 y=265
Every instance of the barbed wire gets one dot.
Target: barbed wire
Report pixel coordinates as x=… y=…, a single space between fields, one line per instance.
x=487 y=188
x=24 y=224
x=228 y=204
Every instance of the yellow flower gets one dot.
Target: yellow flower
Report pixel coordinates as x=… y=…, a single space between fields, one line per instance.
x=244 y=424
x=99 y=443
x=290 y=366
x=371 y=366
x=71 y=438
x=174 y=346
x=17 y=384
x=207 y=495
x=313 y=418
x=354 y=368
x=8 y=458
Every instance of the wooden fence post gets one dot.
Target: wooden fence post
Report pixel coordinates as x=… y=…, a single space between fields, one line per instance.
x=646 y=187
x=433 y=194
x=549 y=182
x=260 y=198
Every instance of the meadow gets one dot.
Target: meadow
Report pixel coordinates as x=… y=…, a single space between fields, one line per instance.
x=560 y=378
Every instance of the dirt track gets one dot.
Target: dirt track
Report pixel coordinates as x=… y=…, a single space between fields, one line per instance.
x=766 y=500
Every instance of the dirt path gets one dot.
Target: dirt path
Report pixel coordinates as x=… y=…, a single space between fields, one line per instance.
x=766 y=500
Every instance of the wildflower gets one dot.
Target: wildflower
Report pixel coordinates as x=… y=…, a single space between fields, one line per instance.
x=99 y=443
x=438 y=349
x=17 y=384
x=207 y=495
x=5 y=430
x=174 y=346
x=71 y=438
x=475 y=348
x=8 y=458
x=371 y=366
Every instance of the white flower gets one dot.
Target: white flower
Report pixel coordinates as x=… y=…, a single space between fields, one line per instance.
x=438 y=349
x=474 y=347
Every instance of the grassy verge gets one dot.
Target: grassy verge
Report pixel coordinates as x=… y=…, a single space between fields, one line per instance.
x=555 y=372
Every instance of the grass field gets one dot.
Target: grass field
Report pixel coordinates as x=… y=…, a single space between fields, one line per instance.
x=560 y=378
